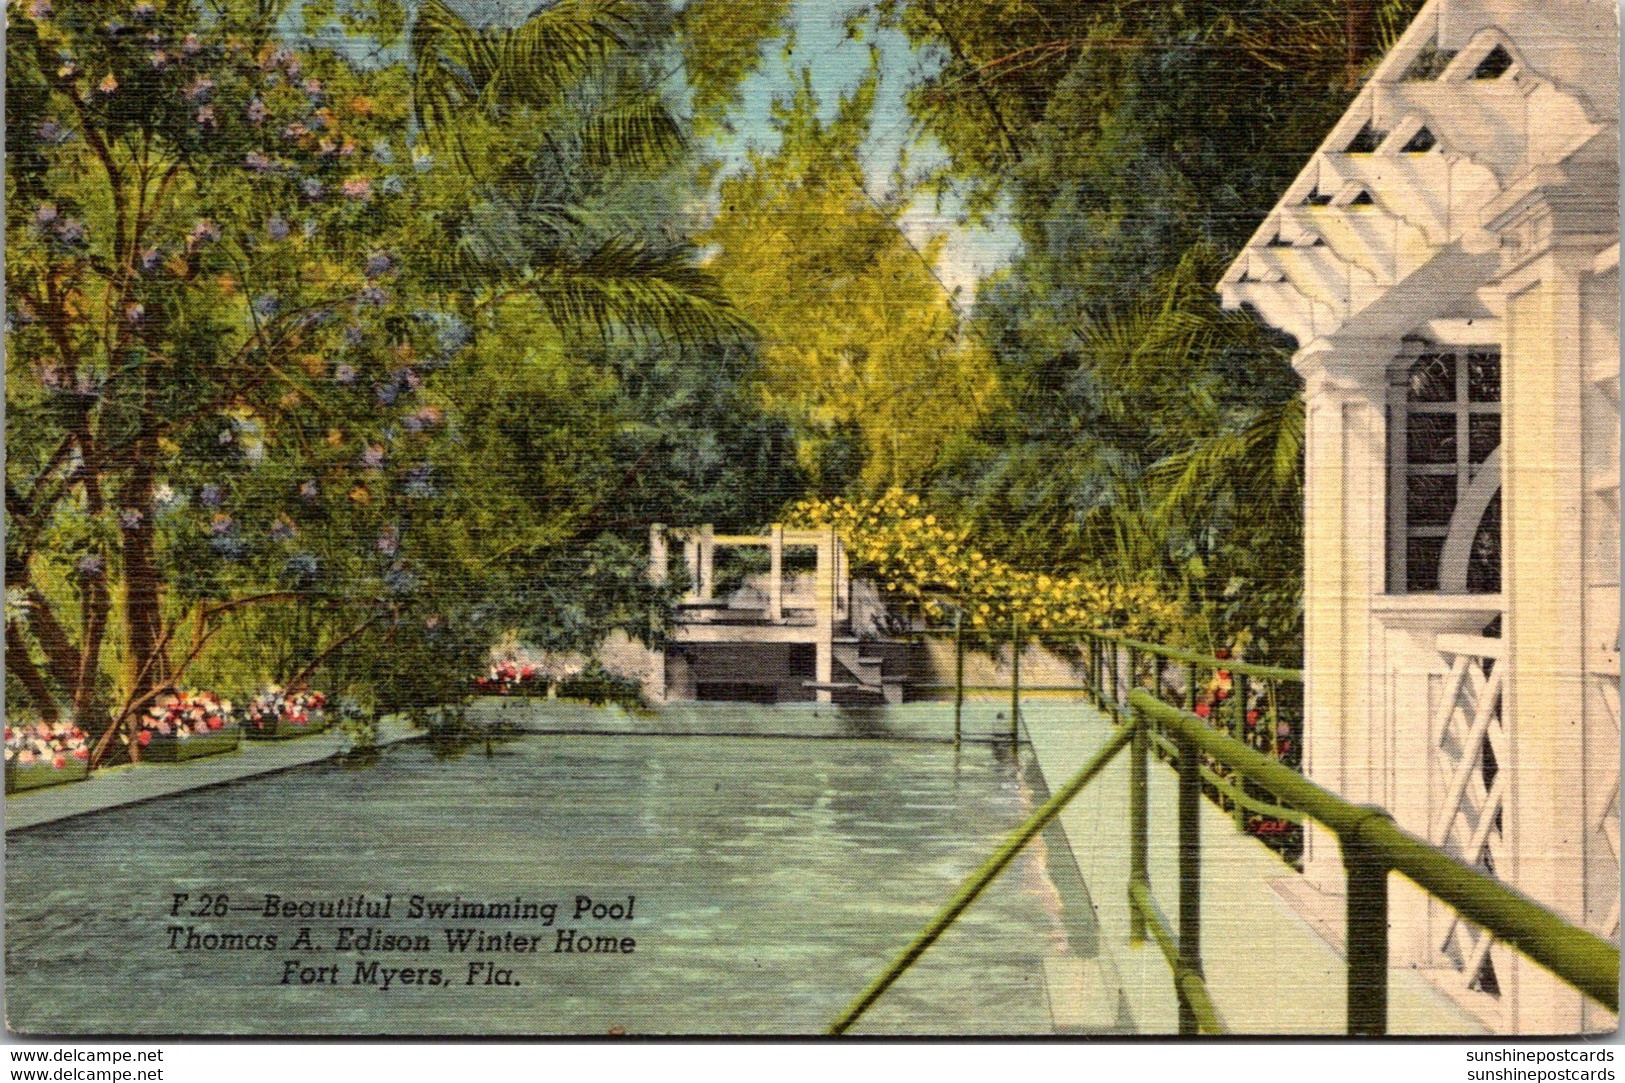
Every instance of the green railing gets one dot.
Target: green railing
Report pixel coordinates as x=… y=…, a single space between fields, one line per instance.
x=1262 y=708
x=1373 y=847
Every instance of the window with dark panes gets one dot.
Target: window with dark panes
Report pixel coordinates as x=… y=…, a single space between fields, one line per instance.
x=1444 y=505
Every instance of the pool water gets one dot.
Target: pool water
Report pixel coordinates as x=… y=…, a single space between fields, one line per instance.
x=773 y=878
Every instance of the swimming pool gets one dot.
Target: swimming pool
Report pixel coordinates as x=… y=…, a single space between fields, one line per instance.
x=769 y=880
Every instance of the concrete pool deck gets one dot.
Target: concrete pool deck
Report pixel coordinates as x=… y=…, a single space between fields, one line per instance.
x=115 y=787
x=1268 y=970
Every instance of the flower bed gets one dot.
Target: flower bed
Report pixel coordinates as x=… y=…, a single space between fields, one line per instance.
x=509 y=678
x=277 y=714
x=45 y=755
x=187 y=725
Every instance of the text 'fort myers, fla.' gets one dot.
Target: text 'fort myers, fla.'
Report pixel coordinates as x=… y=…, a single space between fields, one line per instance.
x=605 y=934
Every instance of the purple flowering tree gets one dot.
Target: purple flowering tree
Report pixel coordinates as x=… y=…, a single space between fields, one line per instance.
x=211 y=346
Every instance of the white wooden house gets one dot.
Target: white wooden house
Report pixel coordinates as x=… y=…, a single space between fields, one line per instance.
x=1448 y=264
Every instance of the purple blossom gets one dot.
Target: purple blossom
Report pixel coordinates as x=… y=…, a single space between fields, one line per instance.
x=266 y=305
x=373 y=457
x=205 y=117
x=44 y=215
x=71 y=232
x=312 y=189
x=210 y=496
x=374 y=296
x=387 y=393
x=420 y=482
x=353 y=335
x=392 y=186
x=229 y=546
x=159 y=59
x=227 y=436
x=277 y=227
x=151 y=259
x=382 y=152
x=91 y=565
x=282 y=530
x=400 y=581
x=343 y=374
x=309 y=491
x=388 y=541
x=357 y=187
x=420 y=420
x=257 y=112
x=313 y=87
x=40 y=9
x=144 y=11
x=410 y=380
x=204 y=232
x=135 y=313
x=258 y=162
x=302 y=568
x=53 y=132
x=378 y=264
x=200 y=89
x=295 y=131
x=50 y=377
x=130 y=518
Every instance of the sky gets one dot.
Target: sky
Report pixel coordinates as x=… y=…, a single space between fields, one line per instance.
x=839 y=64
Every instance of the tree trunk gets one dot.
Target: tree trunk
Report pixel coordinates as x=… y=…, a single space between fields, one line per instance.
x=22 y=667
x=143 y=610
x=1359 y=27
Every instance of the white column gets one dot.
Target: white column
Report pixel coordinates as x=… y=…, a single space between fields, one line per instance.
x=657 y=554
x=1345 y=543
x=708 y=555
x=1542 y=493
x=824 y=661
x=775 y=574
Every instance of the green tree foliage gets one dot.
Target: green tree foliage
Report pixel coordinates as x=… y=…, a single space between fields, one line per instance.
x=1136 y=146
x=328 y=367
x=862 y=346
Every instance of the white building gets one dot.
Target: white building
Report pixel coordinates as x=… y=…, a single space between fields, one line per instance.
x=1448 y=262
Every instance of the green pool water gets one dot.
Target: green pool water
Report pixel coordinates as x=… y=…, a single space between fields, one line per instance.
x=773 y=877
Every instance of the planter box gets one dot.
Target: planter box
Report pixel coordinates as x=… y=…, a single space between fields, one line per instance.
x=175 y=750
x=283 y=730
x=33 y=776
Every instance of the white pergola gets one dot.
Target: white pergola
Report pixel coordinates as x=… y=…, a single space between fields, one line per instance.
x=1448 y=263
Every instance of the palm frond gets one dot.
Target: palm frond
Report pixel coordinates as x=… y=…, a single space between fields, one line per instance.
x=640 y=133
x=457 y=66
x=625 y=288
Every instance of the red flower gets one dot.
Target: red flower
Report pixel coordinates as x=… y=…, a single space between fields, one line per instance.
x=1222 y=652
x=81 y=754
x=1203 y=710
x=144 y=738
x=1222 y=693
x=1252 y=717
x=60 y=761
x=215 y=723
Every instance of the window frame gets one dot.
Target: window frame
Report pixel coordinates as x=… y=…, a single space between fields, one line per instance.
x=1401 y=469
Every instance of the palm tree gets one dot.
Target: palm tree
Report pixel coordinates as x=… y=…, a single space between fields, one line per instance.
x=531 y=114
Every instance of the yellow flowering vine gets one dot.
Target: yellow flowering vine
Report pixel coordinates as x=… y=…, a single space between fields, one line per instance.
x=931 y=565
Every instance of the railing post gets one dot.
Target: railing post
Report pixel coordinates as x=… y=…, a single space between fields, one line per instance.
x=1015 y=677
x=1112 y=669
x=959 y=671
x=1239 y=693
x=1367 y=935
x=1139 y=812
x=1190 y=874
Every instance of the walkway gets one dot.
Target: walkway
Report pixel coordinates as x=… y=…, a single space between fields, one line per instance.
x=128 y=785
x=1268 y=970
